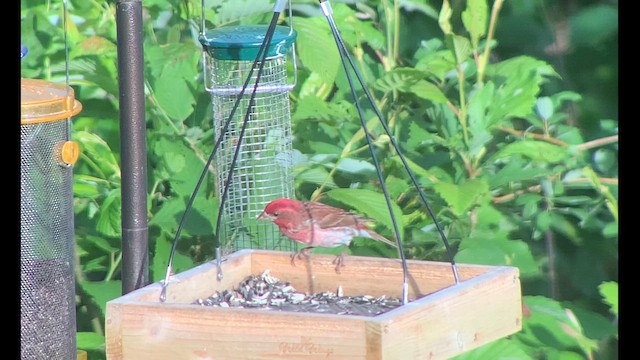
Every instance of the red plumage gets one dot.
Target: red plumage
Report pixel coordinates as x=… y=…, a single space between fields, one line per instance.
x=315 y=224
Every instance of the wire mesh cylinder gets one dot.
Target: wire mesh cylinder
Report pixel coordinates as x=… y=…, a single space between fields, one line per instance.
x=47 y=248
x=263 y=167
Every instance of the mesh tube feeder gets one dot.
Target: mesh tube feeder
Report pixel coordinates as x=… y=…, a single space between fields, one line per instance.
x=263 y=168
x=47 y=246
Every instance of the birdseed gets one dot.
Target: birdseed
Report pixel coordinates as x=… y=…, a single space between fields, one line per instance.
x=267 y=292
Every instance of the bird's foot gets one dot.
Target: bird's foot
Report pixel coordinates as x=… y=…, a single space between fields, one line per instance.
x=339 y=261
x=299 y=255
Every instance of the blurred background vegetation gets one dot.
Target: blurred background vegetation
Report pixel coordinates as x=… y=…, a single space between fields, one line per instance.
x=507 y=112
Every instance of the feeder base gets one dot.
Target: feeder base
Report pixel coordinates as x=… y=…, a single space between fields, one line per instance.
x=443 y=320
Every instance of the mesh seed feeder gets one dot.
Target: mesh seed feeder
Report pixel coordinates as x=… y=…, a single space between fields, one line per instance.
x=263 y=169
x=47 y=247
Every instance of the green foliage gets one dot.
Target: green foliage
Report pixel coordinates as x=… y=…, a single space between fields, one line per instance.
x=609 y=291
x=513 y=174
x=370 y=203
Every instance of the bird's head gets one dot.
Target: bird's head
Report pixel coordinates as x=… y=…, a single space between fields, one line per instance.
x=280 y=210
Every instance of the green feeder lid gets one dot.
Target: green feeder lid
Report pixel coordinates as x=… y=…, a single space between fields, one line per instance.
x=242 y=42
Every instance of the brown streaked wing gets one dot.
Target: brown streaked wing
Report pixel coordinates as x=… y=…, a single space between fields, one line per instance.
x=326 y=216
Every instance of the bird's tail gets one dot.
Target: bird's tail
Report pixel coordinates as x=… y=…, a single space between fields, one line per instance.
x=374 y=235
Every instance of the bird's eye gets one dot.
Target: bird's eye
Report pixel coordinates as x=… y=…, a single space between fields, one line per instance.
x=276 y=213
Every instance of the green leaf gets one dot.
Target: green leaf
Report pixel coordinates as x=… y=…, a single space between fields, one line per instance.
x=174 y=95
x=575 y=200
x=232 y=11
x=356 y=167
x=461 y=197
x=474 y=18
x=397 y=187
x=444 y=19
x=489 y=216
x=429 y=91
x=180 y=161
x=325 y=159
x=90 y=341
x=543 y=221
x=502 y=349
x=425 y=177
x=479 y=122
x=370 y=203
x=435 y=62
x=522 y=66
x=96 y=263
x=109 y=217
x=417 y=137
x=562 y=225
x=95 y=150
x=530 y=204
x=314 y=108
x=202 y=216
x=419 y=6
x=488 y=247
x=163 y=4
x=611 y=200
x=101 y=243
x=44 y=36
x=460 y=46
x=168 y=215
x=400 y=79
x=365 y=247
x=479 y=101
x=539 y=151
x=84 y=189
x=102 y=291
x=516 y=171
x=595 y=324
x=160 y=261
x=544 y=107
x=519 y=80
x=564 y=355
x=551 y=325
x=605 y=160
x=94 y=45
x=610 y=230
x=561 y=97
x=316 y=48
x=354 y=30
x=174 y=67
x=316 y=175
x=609 y=292
x=313 y=86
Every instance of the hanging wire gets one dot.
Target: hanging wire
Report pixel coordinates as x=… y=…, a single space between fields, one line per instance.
x=344 y=54
x=260 y=57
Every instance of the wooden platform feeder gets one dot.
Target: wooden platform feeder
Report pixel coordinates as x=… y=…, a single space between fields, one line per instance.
x=441 y=319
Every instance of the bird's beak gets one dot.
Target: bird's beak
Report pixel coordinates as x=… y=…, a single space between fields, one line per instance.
x=264 y=216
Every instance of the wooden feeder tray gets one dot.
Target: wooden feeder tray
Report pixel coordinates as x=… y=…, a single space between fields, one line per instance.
x=441 y=320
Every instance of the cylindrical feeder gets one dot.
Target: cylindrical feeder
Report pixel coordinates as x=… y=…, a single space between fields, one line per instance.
x=263 y=169
x=47 y=245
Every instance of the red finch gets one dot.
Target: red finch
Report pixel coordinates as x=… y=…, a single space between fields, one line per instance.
x=316 y=224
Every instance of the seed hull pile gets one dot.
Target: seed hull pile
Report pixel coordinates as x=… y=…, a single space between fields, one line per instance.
x=267 y=292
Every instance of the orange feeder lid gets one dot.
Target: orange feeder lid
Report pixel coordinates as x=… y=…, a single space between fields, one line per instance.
x=43 y=101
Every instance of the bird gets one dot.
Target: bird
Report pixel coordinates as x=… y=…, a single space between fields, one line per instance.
x=316 y=224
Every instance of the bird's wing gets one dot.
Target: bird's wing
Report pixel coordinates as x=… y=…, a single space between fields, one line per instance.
x=325 y=216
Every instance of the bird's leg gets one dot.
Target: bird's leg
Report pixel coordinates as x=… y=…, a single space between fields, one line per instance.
x=339 y=261
x=300 y=254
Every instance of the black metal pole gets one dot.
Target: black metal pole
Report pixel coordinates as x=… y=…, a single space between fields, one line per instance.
x=133 y=154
